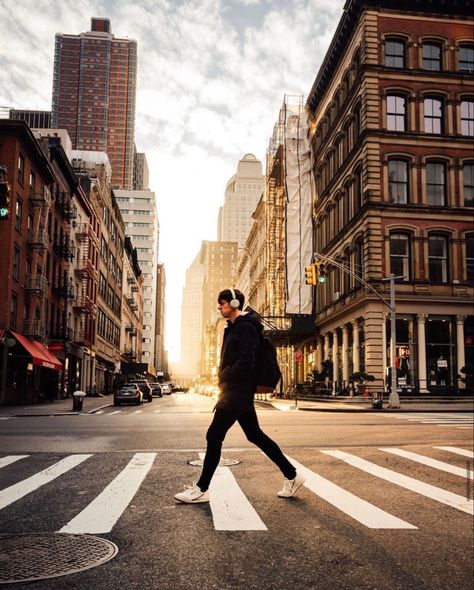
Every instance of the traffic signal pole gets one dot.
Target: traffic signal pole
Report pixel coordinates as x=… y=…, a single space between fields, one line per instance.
x=393 y=400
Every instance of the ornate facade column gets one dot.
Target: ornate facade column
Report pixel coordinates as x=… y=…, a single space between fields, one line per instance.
x=461 y=358
x=355 y=346
x=421 y=320
x=326 y=346
x=345 y=355
x=319 y=353
x=335 y=361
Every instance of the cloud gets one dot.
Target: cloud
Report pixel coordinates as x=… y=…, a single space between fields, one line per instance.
x=212 y=75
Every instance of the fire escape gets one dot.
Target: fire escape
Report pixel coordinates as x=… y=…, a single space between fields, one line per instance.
x=130 y=350
x=36 y=285
x=87 y=275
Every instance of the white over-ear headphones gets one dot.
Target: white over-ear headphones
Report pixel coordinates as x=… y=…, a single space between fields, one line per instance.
x=234 y=302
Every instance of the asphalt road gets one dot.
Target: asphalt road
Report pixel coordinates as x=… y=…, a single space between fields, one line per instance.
x=365 y=520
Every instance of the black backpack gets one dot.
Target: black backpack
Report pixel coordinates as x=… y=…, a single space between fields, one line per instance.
x=267 y=370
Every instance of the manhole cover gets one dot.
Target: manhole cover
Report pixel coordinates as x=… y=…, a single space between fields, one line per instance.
x=223 y=462
x=24 y=558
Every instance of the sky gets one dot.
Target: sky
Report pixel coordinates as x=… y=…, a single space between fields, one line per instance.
x=212 y=75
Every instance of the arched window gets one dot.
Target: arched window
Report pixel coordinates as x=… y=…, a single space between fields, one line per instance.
x=438 y=258
x=436 y=183
x=359 y=259
x=346 y=276
x=357 y=190
x=398 y=186
x=468 y=183
x=400 y=255
x=345 y=205
x=356 y=125
x=470 y=259
x=394 y=53
x=467 y=117
x=433 y=115
x=432 y=56
x=396 y=112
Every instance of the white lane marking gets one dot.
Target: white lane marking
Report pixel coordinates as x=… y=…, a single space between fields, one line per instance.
x=116 y=412
x=5 y=417
x=4 y=461
x=361 y=510
x=441 y=465
x=419 y=487
x=103 y=512
x=99 y=412
x=22 y=488
x=452 y=424
x=458 y=451
x=156 y=411
x=231 y=511
x=137 y=412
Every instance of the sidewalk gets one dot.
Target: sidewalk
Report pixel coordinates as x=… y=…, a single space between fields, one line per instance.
x=360 y=404
x=61 y=407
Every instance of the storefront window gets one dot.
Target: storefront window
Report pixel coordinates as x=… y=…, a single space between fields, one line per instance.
x=440 y=351
x=405 y=353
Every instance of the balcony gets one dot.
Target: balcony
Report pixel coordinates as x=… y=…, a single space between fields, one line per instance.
x=84 y=304
x=131 y=329
x=41 y=199
x=85 y=269
x=33 y=328
x=38 y=240
x=66 y=208
x=64 y=290
x=130 y=279
x=129 y=353
x=65 y=249
x=36 y=285
x=134 y=288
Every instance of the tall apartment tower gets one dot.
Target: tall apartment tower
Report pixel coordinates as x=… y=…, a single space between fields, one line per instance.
x=94 y=92
x=140 y=172
x=138 y=209
x=191 y=319
x=242 y=194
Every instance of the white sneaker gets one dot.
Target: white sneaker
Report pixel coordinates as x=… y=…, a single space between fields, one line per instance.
x=192 y=495
x=291 y=486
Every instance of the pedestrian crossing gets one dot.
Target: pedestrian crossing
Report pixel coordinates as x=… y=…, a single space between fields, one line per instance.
x=463 y=421
x=232 y=509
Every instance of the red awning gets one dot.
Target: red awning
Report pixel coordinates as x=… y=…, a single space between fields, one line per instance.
x=40 y=354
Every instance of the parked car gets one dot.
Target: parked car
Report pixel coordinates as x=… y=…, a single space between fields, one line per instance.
x=156 y=389
x=144 y=388
x=165 y=388
x=128 y=394
x=180 y=388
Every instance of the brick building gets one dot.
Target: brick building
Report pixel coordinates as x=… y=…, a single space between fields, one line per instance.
x=392 y=129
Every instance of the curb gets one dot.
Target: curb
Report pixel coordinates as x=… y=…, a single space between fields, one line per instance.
x=368 y=409
x=99 y=408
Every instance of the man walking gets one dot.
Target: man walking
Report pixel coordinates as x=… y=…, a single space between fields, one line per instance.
x=235 y=401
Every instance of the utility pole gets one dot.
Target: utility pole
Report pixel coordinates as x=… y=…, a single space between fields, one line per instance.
x=393 y=400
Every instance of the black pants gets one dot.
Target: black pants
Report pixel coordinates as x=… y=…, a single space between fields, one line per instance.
x=221 y=423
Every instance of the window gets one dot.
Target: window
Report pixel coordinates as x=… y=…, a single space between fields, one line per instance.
x=32 y=183
x=400 y=255
x=394 y=53
x=467 y=117
x=358 y=259
x=16 y=263
x=470 y=259
x=466 y=58
x=396 y=113
x=468 y=183
x=433 y=115
x=436 y=183
x=13 y=311
x=438 y=259
x=357 y=190
x=21 y=168
x=18 y=214
x=398 y=181
x=432 y=57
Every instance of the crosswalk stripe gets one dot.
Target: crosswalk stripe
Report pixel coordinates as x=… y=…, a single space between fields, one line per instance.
x=99 y=412
x=231 y=511
x=22 y=488
x=458 y=451
x=103 y=512
x=137 y=412
x=419 y=487
x=4 y=461
x=441 y=465
x=156 y=411
x=116 y=412
x=361 y=510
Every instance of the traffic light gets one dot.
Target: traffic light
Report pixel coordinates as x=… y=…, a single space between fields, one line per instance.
x=5 y=192
x=321 y=273
x=310 y=272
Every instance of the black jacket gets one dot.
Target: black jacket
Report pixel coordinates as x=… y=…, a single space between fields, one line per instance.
x=238 y=360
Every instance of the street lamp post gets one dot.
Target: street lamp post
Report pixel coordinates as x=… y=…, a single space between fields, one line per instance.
x=393 y=400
